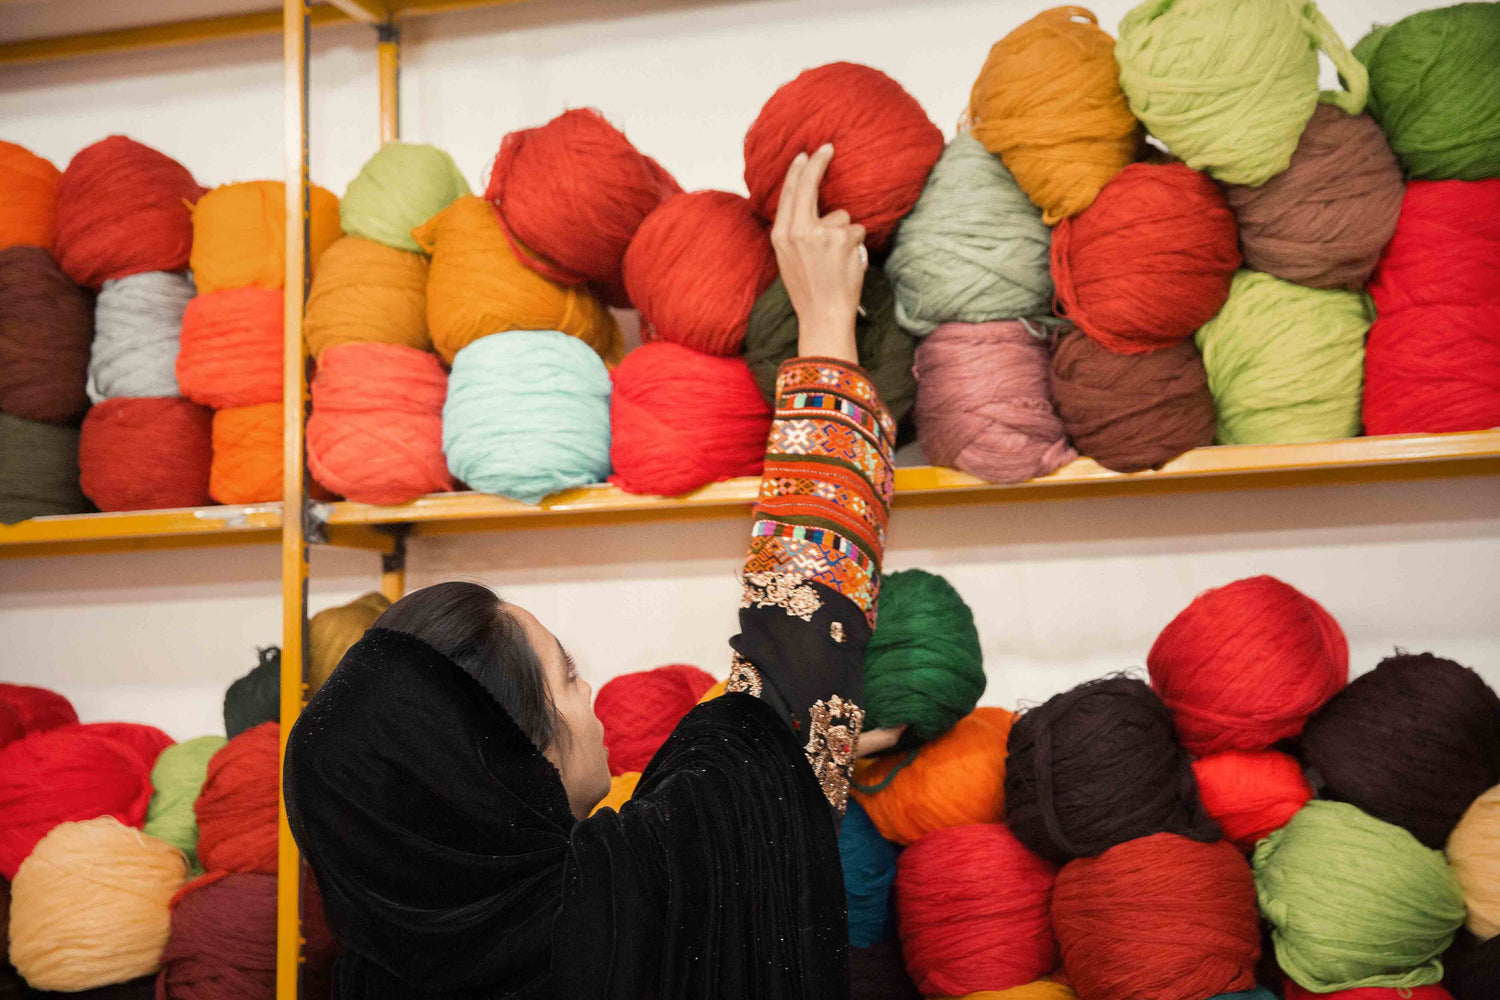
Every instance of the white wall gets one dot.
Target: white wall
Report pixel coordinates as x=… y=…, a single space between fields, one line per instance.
x=1063 y=589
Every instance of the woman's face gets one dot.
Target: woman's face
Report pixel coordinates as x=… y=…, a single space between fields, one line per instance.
x=578 y=751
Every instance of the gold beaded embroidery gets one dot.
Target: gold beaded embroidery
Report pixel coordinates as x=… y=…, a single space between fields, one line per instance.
x=743 y=677
x=836 y=631
x=787 y=591
x=834 y=727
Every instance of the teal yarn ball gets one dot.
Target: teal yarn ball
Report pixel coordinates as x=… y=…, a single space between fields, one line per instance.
x=176 y=780
x=869 y=862
x=1435 y=90
x=1259 y=993
x=923 y=668
x=397 y=190
x=973 y=250
x=527 y=415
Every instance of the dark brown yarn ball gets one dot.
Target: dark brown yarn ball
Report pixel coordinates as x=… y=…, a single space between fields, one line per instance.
x=1323 y=221
x=38 y=470
x=1130 y=412
x=46 y=327
x=879 y=973
x=1413 y=742
x=143 y=988
x=1097 y=766
x=1471 y=968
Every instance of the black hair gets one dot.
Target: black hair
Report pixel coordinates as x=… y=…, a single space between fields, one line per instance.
x=473 y=627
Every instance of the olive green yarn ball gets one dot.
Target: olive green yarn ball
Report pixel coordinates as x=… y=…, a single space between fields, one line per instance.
x=176 y=780
x=397 y=190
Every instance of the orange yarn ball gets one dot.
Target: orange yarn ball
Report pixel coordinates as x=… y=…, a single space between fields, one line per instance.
x=639 y=711
x=376 y=430
x=621 y=788
x=1250 y=793
x=236 y=806
x=28 y=212
x=231 y=347
x=367 y=292
x=239 y=234
x=695 y=269
x=247 y=454
x=958 y=778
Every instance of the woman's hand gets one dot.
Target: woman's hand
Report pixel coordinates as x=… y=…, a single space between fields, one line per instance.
x=873 y=741
x=821 y=262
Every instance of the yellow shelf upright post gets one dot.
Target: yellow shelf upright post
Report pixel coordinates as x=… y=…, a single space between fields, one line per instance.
x=388 y=51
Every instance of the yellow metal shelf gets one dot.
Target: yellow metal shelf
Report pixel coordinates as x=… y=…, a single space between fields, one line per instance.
x=1416 y=456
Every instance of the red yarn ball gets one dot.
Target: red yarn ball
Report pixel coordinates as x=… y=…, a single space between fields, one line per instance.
x=659 y=446
x=148 y=741
x=231 y=350
x=640 y=710
x=695 y=269
x=1149 y=262
x=123 y=208
x=1162 y=916
x=11 y=728
x=972 y=910
x=1246 y=664
x=1250 y=793
x=62 y=775
x=884 y=145
x=146 y=453
x=1432 y=362
x=37 y=708
x=571 y=194
x=236 y=806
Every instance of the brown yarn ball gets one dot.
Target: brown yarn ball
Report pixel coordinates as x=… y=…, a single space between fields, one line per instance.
x=1324 y=220
x=46 y=327
x=332 y=631
x=1130 y=412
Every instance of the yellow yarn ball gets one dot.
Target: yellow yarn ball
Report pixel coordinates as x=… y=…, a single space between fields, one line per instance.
x=621 y=788
x=332 y=631
x=1042 y=989
x=712 y=692
x=1474 y=854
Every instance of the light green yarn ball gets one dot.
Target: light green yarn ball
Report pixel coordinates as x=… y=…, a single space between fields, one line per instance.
x=397 y=190
x=176 y=780
x=973 y=250
x=1285 y=363
x=1354 y=901
x=1229 y=84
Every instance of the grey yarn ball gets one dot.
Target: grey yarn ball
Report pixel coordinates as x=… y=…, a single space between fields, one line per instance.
x=137 y=329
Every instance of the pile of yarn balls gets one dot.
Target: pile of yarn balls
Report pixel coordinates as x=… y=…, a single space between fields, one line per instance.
x=1135 y=246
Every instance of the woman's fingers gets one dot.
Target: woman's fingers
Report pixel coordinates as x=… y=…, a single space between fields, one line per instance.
x=782 y=226
x=873 y=741
x=805 y=194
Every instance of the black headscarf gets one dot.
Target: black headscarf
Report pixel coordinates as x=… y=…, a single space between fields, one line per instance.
x=451 y=866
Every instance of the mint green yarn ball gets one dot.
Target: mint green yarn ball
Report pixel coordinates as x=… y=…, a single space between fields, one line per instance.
x=1285 y=363
x=176 y=780
x=1354 y=901
x=1228 y=85
x=527 y=414
x=397 y=190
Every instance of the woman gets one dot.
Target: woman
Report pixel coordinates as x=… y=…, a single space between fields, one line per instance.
x=440 y=783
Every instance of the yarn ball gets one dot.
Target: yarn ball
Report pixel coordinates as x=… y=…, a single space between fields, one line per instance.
x=1474 y=852
x=983 y=404
x=1285 y=363
x=247 y=453
x=398 y=189
x=146 y=454
x=123 y=208
x=1472 y=970
x=367 y=292
x=1163 y=916
x=376 y=430
x=239 y=234
x=1434 y=992
x=1041 y=989
x=332 y=631
x=140 y=988
x=1435 y=90
x=869 y=863
x=29 y=214
x=639 y=711
x=695 y=268
x=176 y=780
x=37 y=708
x=1130 y=412
x=46 y=324
x=256 y=697
x=1354 y=901
x=1413 y=742
x=1323 y=221
x=527 y=415
x=1247 y=664
x=38 y=470
x=1433 y=359
x=1249 y=793
x=621 y=788
x=571 y=194
x=924 y=668
x=974 y=249
x=973 y=910
x=236 y=807
x=882 y=348
x=661 y=447
x=1048 y=101
x=137 y=329
x=477 y=285
x=957 y=779
x=10 y=725
x=1228 y=86
x=884 y=145
x=148 y=742
x=1096 y=766
x=1149 y=262
x=879 y=973
x=89 y=907
x=231 y=347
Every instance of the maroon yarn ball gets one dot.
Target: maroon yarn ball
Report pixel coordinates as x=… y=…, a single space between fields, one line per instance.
x=46 y=328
